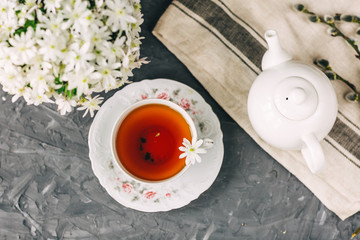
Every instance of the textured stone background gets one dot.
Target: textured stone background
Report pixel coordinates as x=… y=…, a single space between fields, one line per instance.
x=48 y=190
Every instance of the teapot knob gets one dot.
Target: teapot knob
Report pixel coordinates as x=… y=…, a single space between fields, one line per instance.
x=297 y=95
x=295 y=98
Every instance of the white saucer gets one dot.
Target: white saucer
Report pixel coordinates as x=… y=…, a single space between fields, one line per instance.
x=159 y=197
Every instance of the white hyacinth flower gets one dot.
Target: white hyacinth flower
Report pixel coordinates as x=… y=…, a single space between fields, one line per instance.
x=78 y=57
x=7 y=9
x=36 y=98
x=119 y=14
x=99 y=3
x=52 y=22
x=65 y=105
x=109 y=73
x=52 y=5
x=51 y=46
x=12 y=78
x=6 y=54
x=39 y=80
x=8 y=27
x=91 y=105
x=31 y=3
x=106 y=51
x=81 y=80
x=99 y=35
x=76 y=15
x=24 y=46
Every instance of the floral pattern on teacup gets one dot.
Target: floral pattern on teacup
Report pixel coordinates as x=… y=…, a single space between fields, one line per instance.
x=177 y=96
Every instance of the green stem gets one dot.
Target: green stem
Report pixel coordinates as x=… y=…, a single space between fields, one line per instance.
x=336 y=30
x=351 y=42
x=355 y=233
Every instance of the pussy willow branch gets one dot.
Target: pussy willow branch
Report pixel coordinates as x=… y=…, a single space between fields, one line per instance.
x=324 y=65
x=347 y=18
x=331 y=23
x=335 y=31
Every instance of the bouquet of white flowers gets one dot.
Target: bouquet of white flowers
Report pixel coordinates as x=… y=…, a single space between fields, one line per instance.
x=64 y=51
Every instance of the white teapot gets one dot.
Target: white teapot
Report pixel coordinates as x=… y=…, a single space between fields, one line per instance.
x=291 y=105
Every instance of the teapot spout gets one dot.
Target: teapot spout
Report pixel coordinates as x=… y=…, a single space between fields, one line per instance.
x=275 y=54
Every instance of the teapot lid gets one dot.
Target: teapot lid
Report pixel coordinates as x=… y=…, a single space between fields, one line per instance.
x=295 y=98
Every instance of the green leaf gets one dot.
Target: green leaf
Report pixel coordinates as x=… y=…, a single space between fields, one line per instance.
x=19 y=31
x=71 y=93
x=61 y=90
x=23 y=29
x=30 y=23
x=57 y=80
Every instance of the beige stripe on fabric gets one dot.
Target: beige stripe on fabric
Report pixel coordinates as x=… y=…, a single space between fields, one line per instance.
x=228 y=79
x=241 y=22
x=188 y=43
x=343 y=151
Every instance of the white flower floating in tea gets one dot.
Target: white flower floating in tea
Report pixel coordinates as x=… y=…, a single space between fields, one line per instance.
x=192 y=150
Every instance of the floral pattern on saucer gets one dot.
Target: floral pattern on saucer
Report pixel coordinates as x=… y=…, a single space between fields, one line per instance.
x=161 y=196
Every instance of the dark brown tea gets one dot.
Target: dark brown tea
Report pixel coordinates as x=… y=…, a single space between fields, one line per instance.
x=148 y=141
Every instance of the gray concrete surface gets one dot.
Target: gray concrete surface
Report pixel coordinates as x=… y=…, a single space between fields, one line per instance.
x=48 y=190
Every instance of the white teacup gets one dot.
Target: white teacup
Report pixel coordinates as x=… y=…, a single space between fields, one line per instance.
x=143 y=144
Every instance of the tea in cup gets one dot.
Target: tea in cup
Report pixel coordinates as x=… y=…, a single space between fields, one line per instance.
x=146 y=139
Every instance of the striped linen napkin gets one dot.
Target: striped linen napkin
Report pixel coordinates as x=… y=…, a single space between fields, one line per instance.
x=221 y=42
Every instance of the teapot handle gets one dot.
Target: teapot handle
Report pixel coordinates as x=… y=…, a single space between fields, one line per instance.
x=313 y=153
